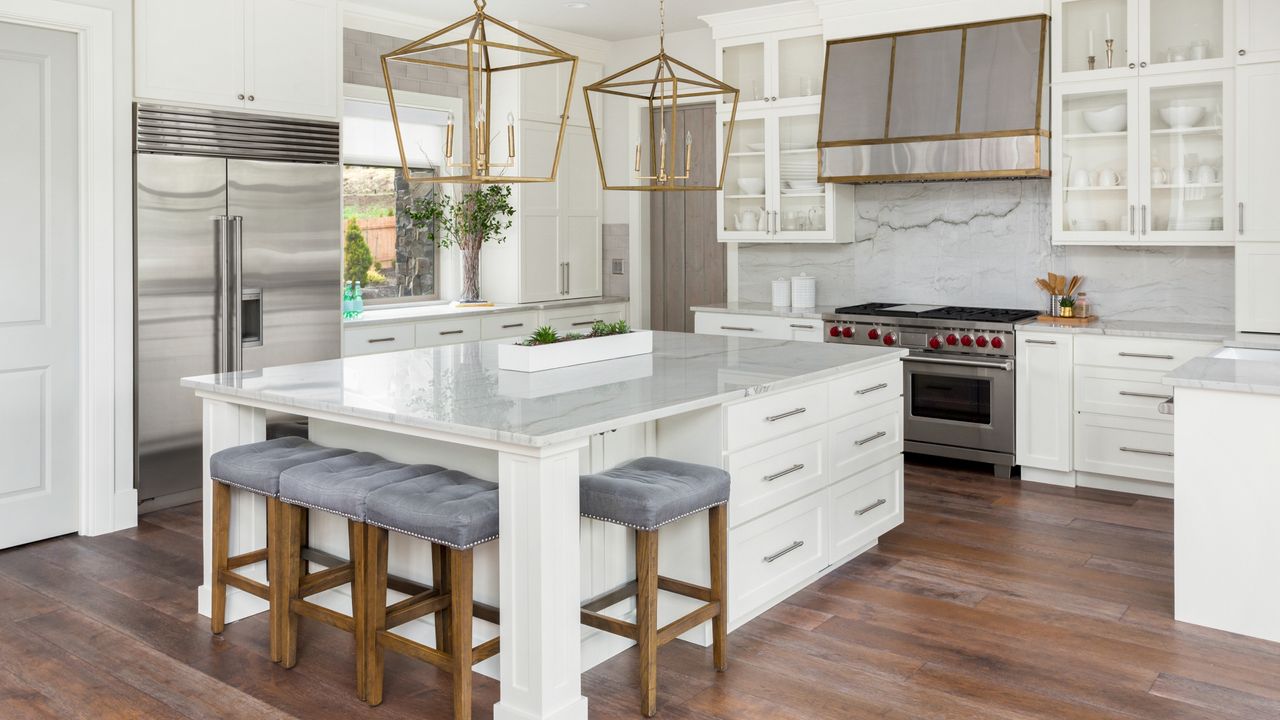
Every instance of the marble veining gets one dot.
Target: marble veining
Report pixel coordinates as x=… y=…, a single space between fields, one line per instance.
x=1211 y=373
x=459 y=389
x=984 y=243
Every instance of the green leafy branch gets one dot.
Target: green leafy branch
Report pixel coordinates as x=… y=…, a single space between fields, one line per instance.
x=482 y=213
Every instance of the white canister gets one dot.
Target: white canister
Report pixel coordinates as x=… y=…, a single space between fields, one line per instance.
x=781 y=292
x=804 y=291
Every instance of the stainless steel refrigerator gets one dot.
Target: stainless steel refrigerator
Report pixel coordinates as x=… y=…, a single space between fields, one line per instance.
x=238 y=267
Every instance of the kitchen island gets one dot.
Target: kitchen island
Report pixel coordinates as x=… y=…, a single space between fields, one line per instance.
x=812 y=435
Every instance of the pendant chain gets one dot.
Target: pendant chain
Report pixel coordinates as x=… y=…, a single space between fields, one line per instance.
x=662 y=25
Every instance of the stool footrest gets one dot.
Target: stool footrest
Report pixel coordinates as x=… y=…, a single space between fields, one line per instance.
x=253 y=587
x=424 y=603
x=327 y=579
x=418 y=651
x=680 y=626
x=249 y=558
x=323 y=614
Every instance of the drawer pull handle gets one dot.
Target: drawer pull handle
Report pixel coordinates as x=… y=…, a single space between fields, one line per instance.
x=790 y=548
x=451 y=332
x=508 y=326
x=802 y=327
x=780 y=473
x=1041 y=342
x=873 y=388
x=1156 y=396
x=787 y=414
x=870 y=507
x=738 y=328
x=868 y=439
x=1165 y=453
x=1146 y=355
x=381 y=340
x=580 y=323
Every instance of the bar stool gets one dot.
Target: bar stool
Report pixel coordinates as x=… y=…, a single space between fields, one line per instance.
x=255 y=468
x=338 y=485
x=644 y=495
x=455 y=512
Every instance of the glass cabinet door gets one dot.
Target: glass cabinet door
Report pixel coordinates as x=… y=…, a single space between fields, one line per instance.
x=1186 y=159
x=801 y=203
x=1085 y=26
x=1096 y=155
x=743 y=67
x=745 y=194
x=799 y=67
x=1183 y=35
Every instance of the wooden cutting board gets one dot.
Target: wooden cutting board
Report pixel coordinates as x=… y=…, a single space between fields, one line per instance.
x=1067 y=320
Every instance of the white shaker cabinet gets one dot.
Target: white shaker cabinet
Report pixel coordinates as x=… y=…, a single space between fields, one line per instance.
x=278 y=56
x=1257 y=287
x=1258 y=152
x=1257 y=31
x=1151 y=37
x=1044 y=401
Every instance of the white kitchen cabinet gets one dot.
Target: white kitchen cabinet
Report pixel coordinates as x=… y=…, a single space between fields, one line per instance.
x=277 y=56
x=1258 y=151
x=1257 y=287
x=1151 y=37
x=771 y=327
x=776 y=69
x=542 y=92
x=1044 y=400
x=446 y=331
x=1257 y=31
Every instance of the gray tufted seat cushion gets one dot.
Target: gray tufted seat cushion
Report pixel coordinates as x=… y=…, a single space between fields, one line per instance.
x=342 y=484
x=650 y=492
x=257 y=466
x=448 y=508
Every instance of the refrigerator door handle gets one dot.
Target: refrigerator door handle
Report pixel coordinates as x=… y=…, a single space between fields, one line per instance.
x=236 y=340
x=222 y=333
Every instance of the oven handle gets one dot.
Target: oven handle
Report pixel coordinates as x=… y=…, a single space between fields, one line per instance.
x=1006 y=365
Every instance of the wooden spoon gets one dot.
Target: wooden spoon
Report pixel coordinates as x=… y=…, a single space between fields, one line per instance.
x=1075 y=283
x=1044 y=285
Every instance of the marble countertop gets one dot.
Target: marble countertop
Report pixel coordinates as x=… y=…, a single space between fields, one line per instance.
x=459 y=389
x=1211 y=373
x=750 y=308
x=403 y=313
x=1140 y=328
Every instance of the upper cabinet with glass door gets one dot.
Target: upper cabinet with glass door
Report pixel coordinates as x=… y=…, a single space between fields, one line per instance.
x=779 y=69
x=1147 y=37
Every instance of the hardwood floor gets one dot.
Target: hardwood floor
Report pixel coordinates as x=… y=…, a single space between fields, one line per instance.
x=993 y=600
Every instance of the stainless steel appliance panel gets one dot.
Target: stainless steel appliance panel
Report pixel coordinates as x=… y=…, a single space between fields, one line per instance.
x=287 y=217
x=960 y=402
x=180 y=215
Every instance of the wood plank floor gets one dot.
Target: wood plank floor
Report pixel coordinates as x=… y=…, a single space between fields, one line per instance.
x=993 y=600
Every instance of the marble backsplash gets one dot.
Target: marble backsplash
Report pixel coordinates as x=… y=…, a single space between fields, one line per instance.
x=984 y=243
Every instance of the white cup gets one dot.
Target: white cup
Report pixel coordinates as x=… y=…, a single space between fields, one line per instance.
x=1108 y=177
x=1080 y=178
x=1206 y=175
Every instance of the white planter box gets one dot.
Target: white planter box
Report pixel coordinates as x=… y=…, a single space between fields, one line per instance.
x=525 y=358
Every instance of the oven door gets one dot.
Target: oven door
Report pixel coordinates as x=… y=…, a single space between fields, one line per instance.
x=960 y=402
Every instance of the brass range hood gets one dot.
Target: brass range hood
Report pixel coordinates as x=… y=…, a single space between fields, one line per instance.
x=962 y=102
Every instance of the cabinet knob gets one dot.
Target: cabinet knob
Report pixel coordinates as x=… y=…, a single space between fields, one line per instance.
x=1133 y=66
x=1141 y=64
x=774 y=98
x=240 y=96
x=1241 y=52
x=250 y=98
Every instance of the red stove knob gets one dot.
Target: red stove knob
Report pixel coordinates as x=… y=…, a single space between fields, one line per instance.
x=935 y=342
x=952 y=339
x=997 y=342
x=981 y=341
x=847 y=331
x=966 y=341
x=890 y=339
x=873 y=334
x=835 y=331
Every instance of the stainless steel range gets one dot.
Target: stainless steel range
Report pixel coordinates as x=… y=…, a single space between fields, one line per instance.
x=958 y=380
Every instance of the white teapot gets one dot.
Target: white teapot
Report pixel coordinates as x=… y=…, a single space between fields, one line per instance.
x=748 y=219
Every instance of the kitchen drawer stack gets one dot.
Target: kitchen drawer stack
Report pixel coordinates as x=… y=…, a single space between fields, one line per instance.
x=817 y=478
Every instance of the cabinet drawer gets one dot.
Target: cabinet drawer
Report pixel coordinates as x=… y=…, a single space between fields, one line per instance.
x=381 y=338
x=772 y=474
x=872 y=387
x=773 y=554
x=865 y=438
x=756 y=326
x=504 y=325
x=1138 y=353
x=1127 y=447
x=1115 y=391
x=447 y=331
x=583 y=318
x=802 y=330
x=865 y=506
x=774 y=414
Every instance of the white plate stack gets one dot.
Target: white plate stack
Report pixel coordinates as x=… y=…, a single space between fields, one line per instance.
x=804 y=291
x=781 y=292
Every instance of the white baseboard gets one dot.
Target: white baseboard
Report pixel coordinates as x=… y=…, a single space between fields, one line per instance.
x=1061 y=478
x=1125 y=485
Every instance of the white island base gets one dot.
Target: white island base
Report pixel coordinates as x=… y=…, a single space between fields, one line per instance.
x=814 y=482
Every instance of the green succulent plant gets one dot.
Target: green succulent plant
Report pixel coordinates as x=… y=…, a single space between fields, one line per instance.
x=1067 y=301
x=543 y=336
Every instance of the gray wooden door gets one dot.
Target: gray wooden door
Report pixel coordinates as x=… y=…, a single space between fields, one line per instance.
x=686 y=263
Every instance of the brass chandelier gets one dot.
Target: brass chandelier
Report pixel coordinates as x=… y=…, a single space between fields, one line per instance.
x=662 y=82
x=466 y=45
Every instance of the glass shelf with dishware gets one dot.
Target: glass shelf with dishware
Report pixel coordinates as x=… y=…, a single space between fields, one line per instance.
x=779 y=69
x=1099 y=39
x=1091 y=185
x=1186 y=147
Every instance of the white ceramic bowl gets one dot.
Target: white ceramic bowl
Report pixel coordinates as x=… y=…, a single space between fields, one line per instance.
x=755 y=147
x=751 y=185
x=1182 y=116
x=1112 y=119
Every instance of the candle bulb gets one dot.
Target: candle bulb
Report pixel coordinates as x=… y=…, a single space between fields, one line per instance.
x=448 y=138
x=688 y=151
x=637 y=156
x=511 y=135
x=1109 y=35
x=662 y=153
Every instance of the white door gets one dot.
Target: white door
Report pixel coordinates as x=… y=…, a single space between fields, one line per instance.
x=291 y=64
x=579 y=189
x=1044 y=402
x=1257 y=31
x=1258 y=153
x=1257 y=292
x=190 y=51
x=39 y=370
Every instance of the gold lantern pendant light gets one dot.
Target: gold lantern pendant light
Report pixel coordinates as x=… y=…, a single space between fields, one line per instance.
x=663 y=83
x=459 y=47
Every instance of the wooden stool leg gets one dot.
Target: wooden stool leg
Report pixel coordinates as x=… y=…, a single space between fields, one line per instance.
x=357 y=539
x=440 y=580
x=718 y=526
x=375 y=610
x=221 y=540
x=647 y=618
x=289 y=578
x=460 y=587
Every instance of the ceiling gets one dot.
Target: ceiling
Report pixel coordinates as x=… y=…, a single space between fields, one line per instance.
x=605 y=19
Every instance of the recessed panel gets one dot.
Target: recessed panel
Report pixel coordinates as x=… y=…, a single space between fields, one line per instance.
x=24 y=415
x=23 y=138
